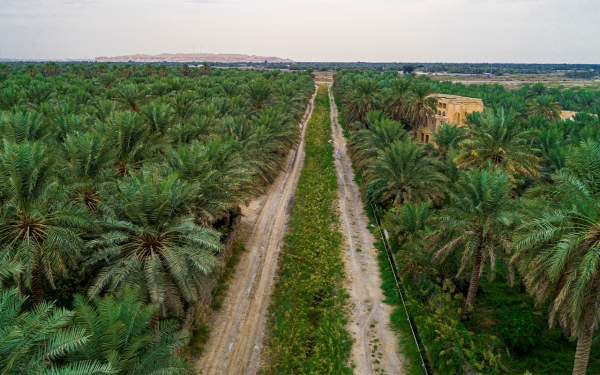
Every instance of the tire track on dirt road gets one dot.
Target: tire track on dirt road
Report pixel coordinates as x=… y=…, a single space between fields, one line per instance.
x=235 y=342
x=375 y=350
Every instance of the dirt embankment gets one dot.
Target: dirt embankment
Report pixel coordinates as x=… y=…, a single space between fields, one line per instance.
x=235 y=343
x=375 y=350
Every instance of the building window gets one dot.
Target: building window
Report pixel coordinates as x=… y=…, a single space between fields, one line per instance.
x=427 y=138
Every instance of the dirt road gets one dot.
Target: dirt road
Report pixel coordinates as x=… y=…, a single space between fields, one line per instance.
x=235 y=343
x=376 y=348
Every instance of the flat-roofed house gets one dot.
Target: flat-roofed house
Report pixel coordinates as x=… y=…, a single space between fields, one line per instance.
x=567 y=115
x=452 y=109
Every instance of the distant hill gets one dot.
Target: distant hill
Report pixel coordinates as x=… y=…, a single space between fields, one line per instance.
x=193 y=57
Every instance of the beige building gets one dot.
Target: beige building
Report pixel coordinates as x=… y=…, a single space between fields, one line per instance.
x=452 y=109
x=567 y=115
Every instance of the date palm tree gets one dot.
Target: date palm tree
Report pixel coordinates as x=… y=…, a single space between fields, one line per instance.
x=87 y=158
x=259 y=94
x=132 y=96
x=131 y=138
x=537 y=89
x=218 y=174
x=50 y=69
x=65 y=124
x=101 y=109
x=20 y=126
x=409 y=224
x=380 y=135
x=363 y=98
x=153 y=242
x=404 y=172
x=32 y=70
x=205 y=69
x=8 y=267
x=553 y=144
x=419 y=106
x=494 y=140
x=476 y=223
x=545 y=106
x=9 y=97
x=185 y=105
x=447 y=137
x=31 y=340
x=37 y=94
x=395 y=96
x=37 y=228
x=120 y=336
x=159 y=116
x=230 y=88
x=557 y=249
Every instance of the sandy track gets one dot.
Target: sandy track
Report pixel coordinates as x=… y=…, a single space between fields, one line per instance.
x=236 y=339
x=376 y=346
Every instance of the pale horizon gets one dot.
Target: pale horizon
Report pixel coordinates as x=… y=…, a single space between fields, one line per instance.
x=427 y=31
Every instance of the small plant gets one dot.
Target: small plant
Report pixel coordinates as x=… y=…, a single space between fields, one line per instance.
x=520 y=331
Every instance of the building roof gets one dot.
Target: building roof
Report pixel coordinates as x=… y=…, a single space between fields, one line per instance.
x=456 y=99
x=567 y=114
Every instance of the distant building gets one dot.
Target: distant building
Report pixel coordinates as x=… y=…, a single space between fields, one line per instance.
x=567 y=115
x=452 y=109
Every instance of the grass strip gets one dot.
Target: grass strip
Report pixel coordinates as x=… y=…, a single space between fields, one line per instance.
x=307 y=314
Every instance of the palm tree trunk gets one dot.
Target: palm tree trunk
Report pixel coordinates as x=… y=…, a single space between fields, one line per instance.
x=474 y=284
x=154 y=322
x=187 y=321
x=18 y=281
x=37 y=285
x=583 y=345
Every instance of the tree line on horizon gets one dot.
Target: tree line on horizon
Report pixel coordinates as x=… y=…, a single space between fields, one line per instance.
x=88 y=69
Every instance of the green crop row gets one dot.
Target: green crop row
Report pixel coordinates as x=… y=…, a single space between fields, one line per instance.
x=307 y=315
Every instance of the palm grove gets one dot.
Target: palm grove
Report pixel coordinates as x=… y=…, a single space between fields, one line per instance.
x=117 y=187
x=513 y=196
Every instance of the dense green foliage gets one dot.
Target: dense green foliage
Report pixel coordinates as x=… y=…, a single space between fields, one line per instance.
x=118 y=184
x=577 y=71
x=307 y=313
x=507 y=244
x=580 y=71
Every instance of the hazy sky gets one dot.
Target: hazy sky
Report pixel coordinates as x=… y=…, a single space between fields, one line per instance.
x=307 y=30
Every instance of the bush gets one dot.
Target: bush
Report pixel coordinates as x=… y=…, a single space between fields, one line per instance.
x=520 y=331
x=451 y=347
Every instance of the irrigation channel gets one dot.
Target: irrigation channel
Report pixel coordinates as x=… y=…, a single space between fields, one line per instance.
x=234 y=347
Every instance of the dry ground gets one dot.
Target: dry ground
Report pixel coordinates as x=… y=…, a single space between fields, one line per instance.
x=236 y=339
x=323 y=77
x=518 y=80
x=376 y=345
